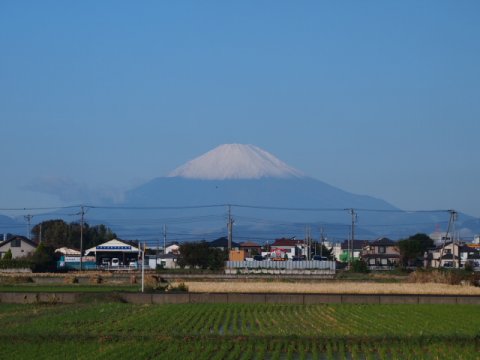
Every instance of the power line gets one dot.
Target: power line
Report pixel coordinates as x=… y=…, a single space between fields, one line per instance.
x=157 y=207
x=261 y=207
x=39 y=208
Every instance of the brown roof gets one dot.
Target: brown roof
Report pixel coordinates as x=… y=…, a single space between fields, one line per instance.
x=287 y=242
x=249 y=244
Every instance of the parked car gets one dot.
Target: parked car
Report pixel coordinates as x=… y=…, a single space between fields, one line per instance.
x=133 y=265
x=320 y=258
x=115 y=262
x=258 y=258
x=299 y=258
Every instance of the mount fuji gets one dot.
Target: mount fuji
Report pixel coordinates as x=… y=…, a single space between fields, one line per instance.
x=245 y=174
x=269 y=198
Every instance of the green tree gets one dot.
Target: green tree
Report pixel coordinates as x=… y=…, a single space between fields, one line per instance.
x=194 y=254
x=58 y=233
x=413 y=248
x=200 y=254
x=319 y=248
x=55 y=233
x=8 y=255
x=216 y=259
x=43 y=259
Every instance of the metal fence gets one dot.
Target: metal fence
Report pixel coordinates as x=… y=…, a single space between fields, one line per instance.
x=288 y=265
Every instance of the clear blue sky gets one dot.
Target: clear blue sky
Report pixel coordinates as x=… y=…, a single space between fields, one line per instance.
x=375 y=97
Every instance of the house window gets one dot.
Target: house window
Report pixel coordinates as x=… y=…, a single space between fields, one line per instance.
x=382 y=249
x=16 y=243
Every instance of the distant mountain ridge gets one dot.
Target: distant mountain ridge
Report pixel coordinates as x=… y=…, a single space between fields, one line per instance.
x=268 y=199
x=247 y=175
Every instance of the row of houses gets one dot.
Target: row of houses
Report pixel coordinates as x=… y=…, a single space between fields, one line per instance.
x=384 y=254
x=381 y=254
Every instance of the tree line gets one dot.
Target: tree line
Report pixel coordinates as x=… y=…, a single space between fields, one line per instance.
x=58 y=233
x=53 y=234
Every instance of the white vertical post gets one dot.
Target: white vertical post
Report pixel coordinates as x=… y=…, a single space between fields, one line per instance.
x=143 y=268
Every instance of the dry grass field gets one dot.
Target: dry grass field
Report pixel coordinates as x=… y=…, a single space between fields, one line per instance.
x=336 y=287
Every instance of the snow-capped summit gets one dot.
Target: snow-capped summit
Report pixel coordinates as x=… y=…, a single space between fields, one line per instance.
x=235 y=161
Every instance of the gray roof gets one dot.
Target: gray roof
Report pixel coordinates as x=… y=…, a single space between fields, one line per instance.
x=383 y=242
x=357 y=244
x=168 y=256
x=21 y=238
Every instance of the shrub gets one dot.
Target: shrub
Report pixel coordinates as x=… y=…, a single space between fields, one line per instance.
x=441 y=276
x=14 y=264
x=43 y=259
x=359 y=266
x=8 y=255
x=70 y=280
x=469 y=266
x=96 y=279
x=181 y=287
x=475 y=279
x=155 y=283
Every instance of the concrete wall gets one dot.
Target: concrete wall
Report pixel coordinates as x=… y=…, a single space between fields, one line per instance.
x=240 y=298
x=32 y=298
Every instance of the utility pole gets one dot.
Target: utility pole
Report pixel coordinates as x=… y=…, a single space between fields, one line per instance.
x=321 y=242
x=82 y=213
x=306 y=241
x=456 y=242
x=164 y=238
x=353 y=214
x=310 y=237
x=451 y=225
x=28 y=219
x=230 y=227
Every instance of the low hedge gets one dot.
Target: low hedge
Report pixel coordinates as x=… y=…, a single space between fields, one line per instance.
x=15 y=264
